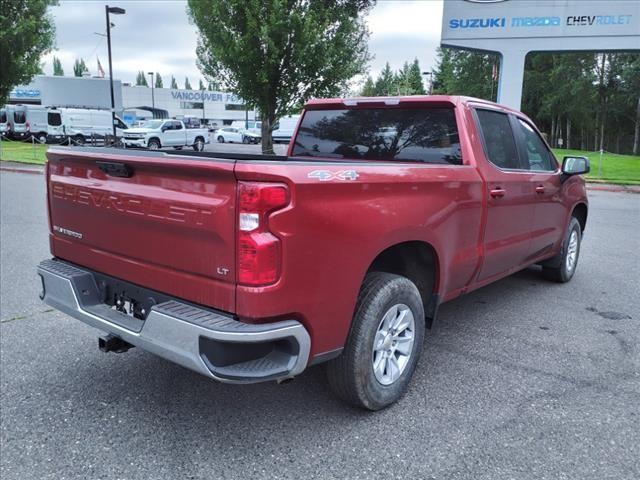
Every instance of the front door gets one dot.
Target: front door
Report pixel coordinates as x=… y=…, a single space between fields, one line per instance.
x=550 y=215
x=510 y=198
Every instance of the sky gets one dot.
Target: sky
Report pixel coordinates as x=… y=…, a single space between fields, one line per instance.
x=155 y=35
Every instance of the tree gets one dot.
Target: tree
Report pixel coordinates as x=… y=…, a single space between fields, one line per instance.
x=141 y=79
x=79 y=67
x=57 y=67
x=386 y=82
x=27 y=32
x=201 y=85
x=369 y=88
x=187 y=84
x=414 y=79
x=278 y=54
x=174 y=84
x=158 y=81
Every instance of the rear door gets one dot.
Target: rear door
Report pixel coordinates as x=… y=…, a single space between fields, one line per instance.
x=510 y=197
x=160 y=221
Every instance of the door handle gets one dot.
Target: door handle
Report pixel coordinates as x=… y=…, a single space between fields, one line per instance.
x=498 y=192
x=539 y=189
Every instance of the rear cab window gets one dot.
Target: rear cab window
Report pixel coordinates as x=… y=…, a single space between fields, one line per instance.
x=427 y=135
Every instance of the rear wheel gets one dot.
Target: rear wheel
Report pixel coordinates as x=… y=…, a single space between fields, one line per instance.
x=41 y=137
x=561 y=268
x=384 y=344
x=198 y=145
x=79 y=140
x=153 y=144
x=220 y=139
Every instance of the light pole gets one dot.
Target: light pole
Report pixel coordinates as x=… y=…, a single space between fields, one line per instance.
x=430 y=75
x=115 y=11
x=153 y=100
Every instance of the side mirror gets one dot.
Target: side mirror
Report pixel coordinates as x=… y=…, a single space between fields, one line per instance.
x=164 y=128
x=575 y=165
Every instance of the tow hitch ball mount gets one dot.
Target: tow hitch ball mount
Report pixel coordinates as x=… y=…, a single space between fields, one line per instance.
x=113 y=343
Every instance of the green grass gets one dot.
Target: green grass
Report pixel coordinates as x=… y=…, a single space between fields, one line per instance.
x=22 y=152
x=617 y=169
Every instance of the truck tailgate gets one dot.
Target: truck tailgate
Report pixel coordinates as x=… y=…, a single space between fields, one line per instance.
x=161 y=221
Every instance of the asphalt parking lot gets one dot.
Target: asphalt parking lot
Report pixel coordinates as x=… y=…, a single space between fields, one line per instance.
x=523 y=379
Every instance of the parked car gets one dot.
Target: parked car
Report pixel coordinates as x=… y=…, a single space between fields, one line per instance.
x=249 y=268
x=83 y=124
x=254 y=126
x=285 y=128
x=234 y=135
x=155 y=134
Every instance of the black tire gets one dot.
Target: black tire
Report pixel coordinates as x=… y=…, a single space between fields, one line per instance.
x=79 y=140
x=154 y=144
x=198 y=145
x=351 y=375
x=41 y=138
x=177 y=148
x=559 y=269
x=220 y=139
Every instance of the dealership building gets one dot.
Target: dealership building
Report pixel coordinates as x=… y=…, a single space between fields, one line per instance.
x=132 y=103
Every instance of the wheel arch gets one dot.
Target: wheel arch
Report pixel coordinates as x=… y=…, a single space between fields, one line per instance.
x=580 y=212
x=157 y=139
x=418 y=261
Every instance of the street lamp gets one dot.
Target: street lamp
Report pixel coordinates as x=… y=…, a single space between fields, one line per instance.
x=430 y=74
x=114 y=11
x=153 y=101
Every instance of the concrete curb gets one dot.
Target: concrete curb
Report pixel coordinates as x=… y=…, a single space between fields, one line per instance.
x=606 y=187
x=12 y=169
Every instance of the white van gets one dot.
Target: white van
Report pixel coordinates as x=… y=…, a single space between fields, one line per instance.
x=83 y=124
x=285 y=128
x=4 y=122
x=45 y=124
x=19 y=128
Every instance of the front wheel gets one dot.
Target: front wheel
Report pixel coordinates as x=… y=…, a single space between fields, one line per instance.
x=153 y=144
x=384 y=344
x=561 y=268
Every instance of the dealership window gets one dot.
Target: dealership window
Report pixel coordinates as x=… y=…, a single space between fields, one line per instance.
x=192 y=105
x=235 y=106
x=536 y=154
x=428 y=135
x=500 y=146
x=54 y=119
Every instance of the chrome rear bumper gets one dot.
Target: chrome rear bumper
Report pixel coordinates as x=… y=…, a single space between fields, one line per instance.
x=210 y=343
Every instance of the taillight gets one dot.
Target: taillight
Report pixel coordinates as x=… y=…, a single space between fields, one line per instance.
x=259 y=250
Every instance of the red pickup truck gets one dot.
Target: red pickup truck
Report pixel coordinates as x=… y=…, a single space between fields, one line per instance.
x=248 y=268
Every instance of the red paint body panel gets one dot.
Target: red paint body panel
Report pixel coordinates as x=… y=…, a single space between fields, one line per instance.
x=173 y=224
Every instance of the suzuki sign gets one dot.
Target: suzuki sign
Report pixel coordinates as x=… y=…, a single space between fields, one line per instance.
x=514 y=28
